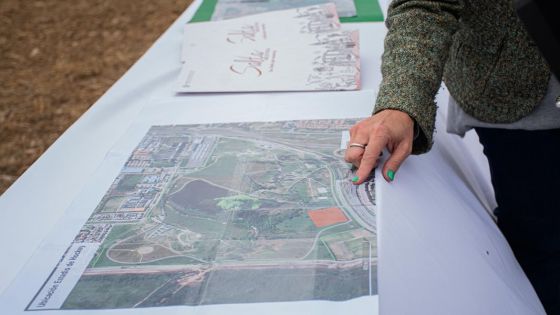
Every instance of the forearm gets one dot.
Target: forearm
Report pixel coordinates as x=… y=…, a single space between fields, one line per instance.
x=416 y=49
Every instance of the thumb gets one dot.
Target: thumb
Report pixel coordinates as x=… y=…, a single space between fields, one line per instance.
x=400 y=153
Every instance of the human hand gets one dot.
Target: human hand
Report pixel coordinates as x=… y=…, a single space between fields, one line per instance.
x=389 y=128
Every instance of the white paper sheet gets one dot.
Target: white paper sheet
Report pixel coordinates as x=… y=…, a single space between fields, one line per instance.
x=292 y=50
x=298 y=25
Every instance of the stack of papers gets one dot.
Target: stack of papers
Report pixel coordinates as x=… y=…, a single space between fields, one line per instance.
x=302 y=49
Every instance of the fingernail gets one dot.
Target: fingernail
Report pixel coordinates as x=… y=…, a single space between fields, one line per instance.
x=355 y=179
x=391 y=174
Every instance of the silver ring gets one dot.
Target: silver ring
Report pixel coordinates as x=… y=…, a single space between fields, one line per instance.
x=357 y=145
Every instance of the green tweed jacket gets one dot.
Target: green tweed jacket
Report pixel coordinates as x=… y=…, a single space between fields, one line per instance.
x=480 y=50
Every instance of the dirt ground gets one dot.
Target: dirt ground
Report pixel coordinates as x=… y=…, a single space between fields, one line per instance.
x=57 y=57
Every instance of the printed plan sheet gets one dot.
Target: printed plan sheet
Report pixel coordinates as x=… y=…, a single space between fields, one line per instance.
x=219 y=215
x=299 y=49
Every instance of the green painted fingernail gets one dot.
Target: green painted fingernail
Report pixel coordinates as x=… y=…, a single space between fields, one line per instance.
x=391 y=174
x=355 y=179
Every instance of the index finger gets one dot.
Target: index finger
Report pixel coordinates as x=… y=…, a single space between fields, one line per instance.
x=370 y=157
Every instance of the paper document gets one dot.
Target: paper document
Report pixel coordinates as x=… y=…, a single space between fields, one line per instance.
x=292 y=50
x=272 y=28
x=224 y=214
x=227 y=9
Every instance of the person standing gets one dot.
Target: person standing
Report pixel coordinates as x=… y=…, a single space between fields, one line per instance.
x=500 y=86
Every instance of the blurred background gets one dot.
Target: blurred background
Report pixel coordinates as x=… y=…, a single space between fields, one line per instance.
x=57 y=57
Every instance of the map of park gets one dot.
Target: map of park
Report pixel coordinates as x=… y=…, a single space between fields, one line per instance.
x=231 y=213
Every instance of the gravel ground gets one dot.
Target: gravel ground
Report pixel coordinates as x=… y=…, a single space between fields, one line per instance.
x=57 y=58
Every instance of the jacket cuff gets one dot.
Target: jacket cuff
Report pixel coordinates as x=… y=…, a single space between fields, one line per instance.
x=421 y=109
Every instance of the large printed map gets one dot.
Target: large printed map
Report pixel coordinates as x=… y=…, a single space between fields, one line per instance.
x=224 y=213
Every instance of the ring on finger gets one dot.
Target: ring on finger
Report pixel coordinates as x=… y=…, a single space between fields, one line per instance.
x=357 y=145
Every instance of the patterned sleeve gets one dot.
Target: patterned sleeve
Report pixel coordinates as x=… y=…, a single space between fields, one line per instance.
x=416 y=48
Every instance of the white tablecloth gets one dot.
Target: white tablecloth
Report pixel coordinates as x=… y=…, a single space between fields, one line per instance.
x=439 y=250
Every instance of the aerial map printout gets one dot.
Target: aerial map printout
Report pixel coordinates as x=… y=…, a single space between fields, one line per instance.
x=224 y=213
